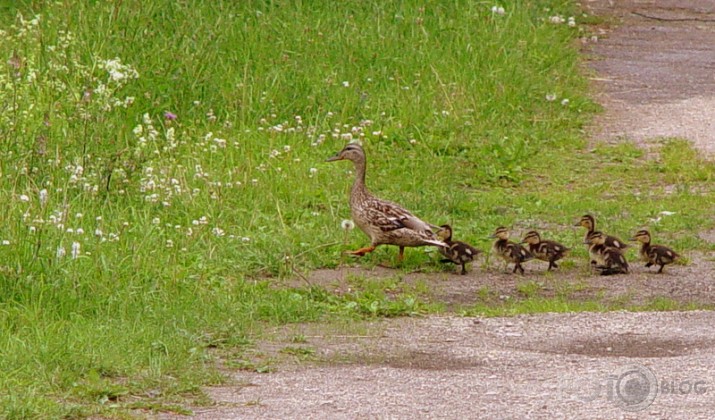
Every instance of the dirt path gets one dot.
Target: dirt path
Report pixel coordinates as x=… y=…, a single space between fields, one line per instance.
x=656 y=71
x=656 y=78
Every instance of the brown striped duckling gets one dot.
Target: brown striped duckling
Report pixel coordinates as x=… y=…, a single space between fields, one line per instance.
x=543 y=249
x=385 y=222
x=589 y=223
x=654 y=254
x=457 y=252
x=608 y=260
x=510 y=251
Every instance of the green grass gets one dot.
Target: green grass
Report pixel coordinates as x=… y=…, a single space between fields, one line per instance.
x=181 y=226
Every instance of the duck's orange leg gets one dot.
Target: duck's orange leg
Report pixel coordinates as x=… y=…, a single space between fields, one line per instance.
x=362 y=251
x=401 y=255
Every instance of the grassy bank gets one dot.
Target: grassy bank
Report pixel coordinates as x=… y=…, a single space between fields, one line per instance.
x=161 y=160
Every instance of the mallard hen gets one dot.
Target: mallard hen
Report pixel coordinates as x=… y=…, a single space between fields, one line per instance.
x=385 y=222
x=457 y=252
x=543 y=249
x=509 y=251
x=654 y=254
x=605 y=259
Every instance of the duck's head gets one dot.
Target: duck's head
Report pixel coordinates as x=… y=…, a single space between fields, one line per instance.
x=595 y=238
x=642 y=236
x=501 y=232
x=351 y=151
x=586 y=221
x=445 y=233
x=532 y=237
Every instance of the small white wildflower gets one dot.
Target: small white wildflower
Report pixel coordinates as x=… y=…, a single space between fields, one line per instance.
x=347 y=224
x=79 y=231
x=218 y=231
x=550 y=97
x=69 y=230
x=498 y=10
x=246 y=239
x=32 y=229
x=413 y=141
x=572 y=22
x=169 y=243
x=60 y=252
x=75 y=250
x=313 y=171
x=98 y=232
x=43 y=196
x=155 y=221
x=5 y=242
x=78 y=215
x=556 y=19
x=346 y=84
x=24 y=198
x=565 y=101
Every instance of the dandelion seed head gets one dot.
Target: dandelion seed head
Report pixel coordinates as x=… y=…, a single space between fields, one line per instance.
x=347 y=224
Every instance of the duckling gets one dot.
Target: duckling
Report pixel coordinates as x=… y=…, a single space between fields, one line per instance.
x=545 y=250
x=385 y=222
x=654 y=254
x=605 y=259
x=511 y=252
x=456 y=252
x=589 y=223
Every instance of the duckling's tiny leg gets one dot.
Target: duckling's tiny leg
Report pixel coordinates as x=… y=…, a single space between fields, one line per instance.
x=521 y=269
x=661 y=268
x=464 y=269
x=552 y=264
x=648 y=264
x=362 y=251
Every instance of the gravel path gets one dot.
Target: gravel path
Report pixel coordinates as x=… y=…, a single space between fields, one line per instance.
x=656 y=78
x=584 y=365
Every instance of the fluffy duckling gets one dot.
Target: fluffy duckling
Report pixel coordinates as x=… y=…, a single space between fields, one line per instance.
x=589 y=223
x=608 y=260
x=511 y=252
x=654 y=254
x=545 y=250
x=385 y=222
x=457 y=252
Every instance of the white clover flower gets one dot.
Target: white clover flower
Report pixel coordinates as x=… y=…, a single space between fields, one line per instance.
x=346 y=84
x=155 y=221
x=218 y=232
x=24 y=198
x=347 y=224
x=572 y=22
x=550 y=97
x=565 y=101
x=169 y=243
x=246 y=239
x=98 y=232
x=32 y=229
x=6 y=242
x=556 y=19
x=498 y=10
x=60 y=252
x=43 y=196
x=313 y=171
x=79 y=231
x=75 y=250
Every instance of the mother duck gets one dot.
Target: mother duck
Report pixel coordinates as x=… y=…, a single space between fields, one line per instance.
x=385 y=222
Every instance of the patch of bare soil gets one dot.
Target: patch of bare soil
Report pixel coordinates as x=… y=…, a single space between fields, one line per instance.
x=655 y=71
